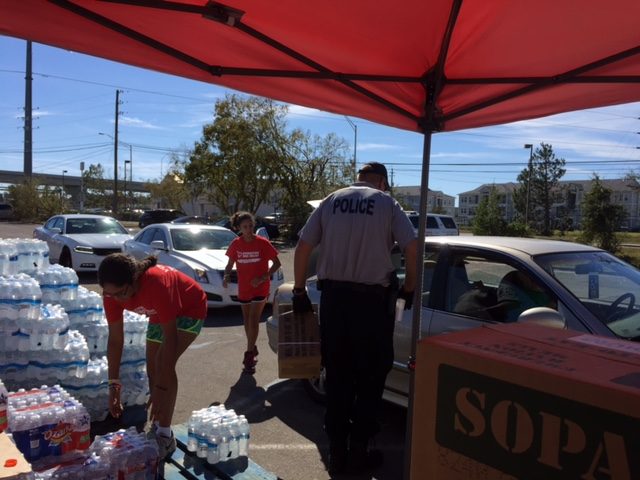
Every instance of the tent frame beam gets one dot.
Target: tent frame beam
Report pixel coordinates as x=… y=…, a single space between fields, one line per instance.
x=212 y=11
x=232 y=17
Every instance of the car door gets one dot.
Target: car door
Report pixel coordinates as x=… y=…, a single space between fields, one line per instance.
x=54 y=239
x=398 y=378
x=139 y=247
x=477 y=289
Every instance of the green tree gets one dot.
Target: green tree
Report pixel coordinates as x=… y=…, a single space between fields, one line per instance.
x=96 y=188
x=170 y=191
x=536 y=187
x=488 y=219
x=600 y=217
x=247 y=154
x=33 y=202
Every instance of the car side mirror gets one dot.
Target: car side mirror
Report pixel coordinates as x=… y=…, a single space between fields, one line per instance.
x=543 y=316
x=158 y=245
x=55 y=230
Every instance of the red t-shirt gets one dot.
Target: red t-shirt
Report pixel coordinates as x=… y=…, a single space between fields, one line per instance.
x=252 y=260
x=163 y=294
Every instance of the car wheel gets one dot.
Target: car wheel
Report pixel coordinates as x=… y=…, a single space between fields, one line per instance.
x=65 y=258
x=316 y=388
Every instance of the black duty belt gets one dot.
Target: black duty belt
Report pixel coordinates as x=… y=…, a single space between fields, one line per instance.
x=353 y=286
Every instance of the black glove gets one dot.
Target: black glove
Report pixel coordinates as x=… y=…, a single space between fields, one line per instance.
x=407 y=297
x=300 y=301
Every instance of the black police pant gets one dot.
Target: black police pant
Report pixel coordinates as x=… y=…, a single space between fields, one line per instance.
x=357 y=352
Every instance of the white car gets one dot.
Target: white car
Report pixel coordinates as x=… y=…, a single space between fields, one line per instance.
x=81 y=241
x=470 y=281
x=197 y=251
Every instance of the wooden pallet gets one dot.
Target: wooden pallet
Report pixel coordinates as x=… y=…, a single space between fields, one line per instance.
x=184 y=464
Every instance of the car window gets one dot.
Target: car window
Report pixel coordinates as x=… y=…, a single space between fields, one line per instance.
x=491 y=289
x=146 y=236
x=90 y=225
x=607 y=287
x=448 y=222
x=430 y=261
x=160 y=235
x=432 y=222
x=52 y=221
x=196 y=239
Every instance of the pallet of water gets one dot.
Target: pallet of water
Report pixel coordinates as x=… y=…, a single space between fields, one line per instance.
x=218 y=434
x=47 y=424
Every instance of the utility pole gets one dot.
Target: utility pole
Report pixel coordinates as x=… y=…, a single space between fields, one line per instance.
x=526 y=208
x=81 y=186
x=115 y=156
x=28 y=144
x=355 y=145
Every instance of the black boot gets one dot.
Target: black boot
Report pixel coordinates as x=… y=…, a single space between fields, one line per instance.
x=337 y=457
x=362 y=458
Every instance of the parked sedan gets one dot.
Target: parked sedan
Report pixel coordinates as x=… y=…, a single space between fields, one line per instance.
x=81 y=241
x=470 y=281
x=198 y=251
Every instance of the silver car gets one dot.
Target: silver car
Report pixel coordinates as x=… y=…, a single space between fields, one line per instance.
x=470 y=281
x=81 y=241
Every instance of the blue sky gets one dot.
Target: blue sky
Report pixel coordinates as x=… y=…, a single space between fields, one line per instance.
x=74 y=100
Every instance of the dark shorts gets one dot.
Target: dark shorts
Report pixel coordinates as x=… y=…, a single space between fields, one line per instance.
x=252 y=300
x=184 y=324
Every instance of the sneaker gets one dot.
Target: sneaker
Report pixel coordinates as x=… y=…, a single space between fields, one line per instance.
x=255 y=353
x=166 y=446
x=249 y=362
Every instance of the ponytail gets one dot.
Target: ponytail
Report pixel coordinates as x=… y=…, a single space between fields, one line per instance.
x=121 y=269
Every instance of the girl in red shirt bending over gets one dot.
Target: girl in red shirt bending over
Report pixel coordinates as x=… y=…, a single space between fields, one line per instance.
x=252 y=254
x=176 y=306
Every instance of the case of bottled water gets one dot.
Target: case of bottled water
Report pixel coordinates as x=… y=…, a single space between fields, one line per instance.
x=130 y=455
x=47 y=424
x=57 y=283
x=22 y=255
x=218 y=434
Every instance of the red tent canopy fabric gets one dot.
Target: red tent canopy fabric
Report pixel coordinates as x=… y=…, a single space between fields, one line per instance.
x=481 y=62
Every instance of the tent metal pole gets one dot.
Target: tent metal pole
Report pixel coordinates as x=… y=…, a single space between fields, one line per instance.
x=417 y=302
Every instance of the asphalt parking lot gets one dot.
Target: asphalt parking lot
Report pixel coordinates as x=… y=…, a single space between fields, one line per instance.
x=286 y=425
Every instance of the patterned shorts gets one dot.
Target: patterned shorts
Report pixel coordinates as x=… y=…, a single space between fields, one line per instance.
x=185 y=324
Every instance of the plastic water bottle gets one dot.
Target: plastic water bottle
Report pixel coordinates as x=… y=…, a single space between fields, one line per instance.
x=223 y=446
x=234 y=439
x=192 y=440
x=201 y=434
x=213 y=451
x=244 y=430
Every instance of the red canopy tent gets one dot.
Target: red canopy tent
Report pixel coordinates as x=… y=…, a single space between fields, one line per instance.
x=422 y=65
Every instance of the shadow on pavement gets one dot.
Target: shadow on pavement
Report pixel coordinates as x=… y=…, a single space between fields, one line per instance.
x=288 y=401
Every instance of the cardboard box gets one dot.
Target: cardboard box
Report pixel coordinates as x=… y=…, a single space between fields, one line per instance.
x=12 y=462
x=298 y=345
x=520 y=401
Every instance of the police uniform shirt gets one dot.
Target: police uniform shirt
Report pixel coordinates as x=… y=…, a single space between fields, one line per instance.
x=355 y=228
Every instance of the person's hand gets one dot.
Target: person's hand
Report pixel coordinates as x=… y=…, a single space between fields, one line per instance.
x=407 y=297
x=300 y=301
x=115 y=405
x=225 y=280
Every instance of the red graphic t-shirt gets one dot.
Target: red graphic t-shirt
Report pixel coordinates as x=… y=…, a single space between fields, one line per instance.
x=252 y=260
x=163 y=294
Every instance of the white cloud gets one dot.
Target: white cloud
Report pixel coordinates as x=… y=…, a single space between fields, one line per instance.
x=375 y=146
x=136 y=122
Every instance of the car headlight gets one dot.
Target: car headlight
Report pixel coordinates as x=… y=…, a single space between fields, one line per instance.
x=201 y=275
x=83 y=249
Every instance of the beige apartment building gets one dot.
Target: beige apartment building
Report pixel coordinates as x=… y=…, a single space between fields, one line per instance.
x=437 y=201
x=567 y=201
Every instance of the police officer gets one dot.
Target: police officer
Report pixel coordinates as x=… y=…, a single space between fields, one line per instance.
x=354 y=229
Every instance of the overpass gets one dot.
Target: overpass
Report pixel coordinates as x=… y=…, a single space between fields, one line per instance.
x=70 y=182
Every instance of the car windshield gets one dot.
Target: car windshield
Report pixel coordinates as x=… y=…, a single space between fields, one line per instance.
x=608 y=287
x=199 y=238
x=94 y=225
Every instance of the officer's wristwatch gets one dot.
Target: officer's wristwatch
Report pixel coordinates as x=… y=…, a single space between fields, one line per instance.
x=299 y=291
